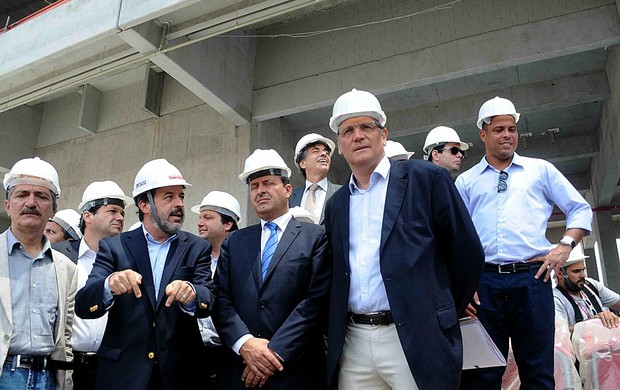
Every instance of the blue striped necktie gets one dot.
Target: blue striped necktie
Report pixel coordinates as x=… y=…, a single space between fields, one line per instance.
x=270 y=248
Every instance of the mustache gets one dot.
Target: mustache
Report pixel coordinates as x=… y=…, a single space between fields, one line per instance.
x=177 y=212
x=30 y=210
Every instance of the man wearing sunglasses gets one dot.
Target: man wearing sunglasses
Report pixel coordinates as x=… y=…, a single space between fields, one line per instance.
x=444 y=148
x=510 y=199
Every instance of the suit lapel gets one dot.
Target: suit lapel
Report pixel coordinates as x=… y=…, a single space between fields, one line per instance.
x=136 y=245
x=397 y=186
x=5 y=288
x=341 y=205
x=288 y=236
x=254 y=253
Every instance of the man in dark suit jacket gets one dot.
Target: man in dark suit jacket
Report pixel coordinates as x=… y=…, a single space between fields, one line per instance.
x=154 y=282
x=271 y=307
x=313 y=158
x=407 y=261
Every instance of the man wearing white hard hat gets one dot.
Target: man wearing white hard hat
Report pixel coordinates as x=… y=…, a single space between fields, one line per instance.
x=154 y=282
x=396 y=150
x=579 y=298
x=406 y=261
x=218 y=214
x=510 y=199
x=273 y=285
x=64 y=225
x=313 y=154
x=102 y=215
x=444 y=148
x=38 y=284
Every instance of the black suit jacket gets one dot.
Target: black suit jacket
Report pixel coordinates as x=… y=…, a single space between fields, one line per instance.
x=289 y=308
x=298 y=193
x=431 y=260
x=142 y=331
x=69 y=248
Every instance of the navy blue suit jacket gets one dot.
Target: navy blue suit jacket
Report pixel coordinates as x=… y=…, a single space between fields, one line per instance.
x=431 y=260
x=289 y=308
x=141 y=331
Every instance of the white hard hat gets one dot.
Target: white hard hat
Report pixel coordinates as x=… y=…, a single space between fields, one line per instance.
x=302 y=214
x=156 y=174
x=221 y=202
x=69 y=220
x=396 y=150
x=442 y=135
x=33 y=171
x=312 y=138
x=353 y=104
x=100 y=193
x=575 y=256
x=496 y=106
x=264 y=160
x=134 y=226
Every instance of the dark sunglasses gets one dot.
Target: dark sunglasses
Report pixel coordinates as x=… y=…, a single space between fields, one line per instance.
x=502 y=185
x=454 y=150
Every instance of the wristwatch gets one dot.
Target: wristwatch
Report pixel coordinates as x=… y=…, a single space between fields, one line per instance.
x=568 y=240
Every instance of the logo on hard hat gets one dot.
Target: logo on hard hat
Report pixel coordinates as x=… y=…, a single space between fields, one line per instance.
x=175 y=177
x=138 y=185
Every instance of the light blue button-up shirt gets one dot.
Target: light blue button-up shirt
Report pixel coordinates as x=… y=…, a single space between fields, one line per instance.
x=512 y=223
x=158 y=252
x=367 y=291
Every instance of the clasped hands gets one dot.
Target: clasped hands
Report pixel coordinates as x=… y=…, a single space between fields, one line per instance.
x=261 y=362
x=128 y=282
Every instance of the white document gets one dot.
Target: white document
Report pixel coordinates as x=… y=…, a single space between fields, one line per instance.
x=479 y=350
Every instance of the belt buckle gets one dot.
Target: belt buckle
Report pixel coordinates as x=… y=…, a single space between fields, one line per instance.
x=499 y=269
x=375 y=316
x=30 y=362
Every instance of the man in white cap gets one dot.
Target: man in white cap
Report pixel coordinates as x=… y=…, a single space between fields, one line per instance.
x=154 y=282
x=38 y=284
x=444 y=148
x=218 y=214
x=579 y=298
x=102 y=215
x=406 y=261
x=273 y=283
x=510 y=199
x=64 y=225
x=313 y=158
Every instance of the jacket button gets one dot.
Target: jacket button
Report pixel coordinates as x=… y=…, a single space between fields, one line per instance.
x=153 y=324
x=262 y=304
x=151 y=355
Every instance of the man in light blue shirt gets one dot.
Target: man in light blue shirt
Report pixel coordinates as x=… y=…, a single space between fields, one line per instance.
x=510 y=198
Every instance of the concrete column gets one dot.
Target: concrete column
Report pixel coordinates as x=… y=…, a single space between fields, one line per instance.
x=607 y=249
x=591 y=263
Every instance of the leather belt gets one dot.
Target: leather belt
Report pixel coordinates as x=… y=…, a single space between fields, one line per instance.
x=512 y=268
x=374 y=319
x=84 y=358
x=35 y=362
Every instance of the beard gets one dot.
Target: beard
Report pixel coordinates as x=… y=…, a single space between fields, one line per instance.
x=168 y=227
x=575 y=287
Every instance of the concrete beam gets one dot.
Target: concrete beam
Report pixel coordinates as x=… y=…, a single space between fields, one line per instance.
x=88 y=116
x=220 y=71
x=597 y=28
x=19 y=131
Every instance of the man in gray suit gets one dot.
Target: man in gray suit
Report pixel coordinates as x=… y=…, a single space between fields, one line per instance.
x=313 y=158
x=39 y=284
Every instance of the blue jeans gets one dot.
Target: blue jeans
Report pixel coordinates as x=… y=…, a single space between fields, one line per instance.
x=26 y=378
x=520 y=308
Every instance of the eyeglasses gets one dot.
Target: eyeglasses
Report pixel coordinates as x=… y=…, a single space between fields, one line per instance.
x=502 y=185
x=365 y=127
x=454 y=150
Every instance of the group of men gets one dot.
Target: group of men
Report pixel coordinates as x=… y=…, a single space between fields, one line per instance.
x=368 y=298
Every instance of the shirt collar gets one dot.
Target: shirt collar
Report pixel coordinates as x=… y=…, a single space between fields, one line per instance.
x=382 y=170
x=12 y=241
x=83 y=248
x=322 y=184
x=151 y=240
x=484 y=164
x=282 y=221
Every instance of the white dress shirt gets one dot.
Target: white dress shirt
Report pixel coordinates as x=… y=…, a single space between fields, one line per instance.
x=367 y=291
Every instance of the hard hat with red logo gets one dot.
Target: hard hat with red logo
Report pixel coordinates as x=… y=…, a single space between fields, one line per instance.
x=156 y=174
